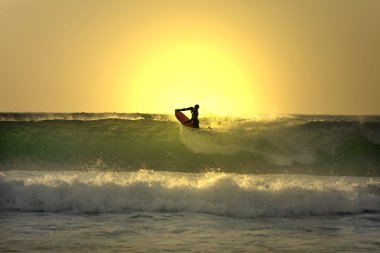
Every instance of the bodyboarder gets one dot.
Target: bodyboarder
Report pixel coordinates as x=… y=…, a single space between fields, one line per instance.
x=194 y=115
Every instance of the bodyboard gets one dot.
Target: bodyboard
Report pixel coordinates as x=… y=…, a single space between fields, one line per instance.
x=183 y=119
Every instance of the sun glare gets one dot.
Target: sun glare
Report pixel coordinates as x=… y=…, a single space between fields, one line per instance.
x=182 y=74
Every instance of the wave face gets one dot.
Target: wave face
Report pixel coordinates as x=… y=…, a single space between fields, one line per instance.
x=314 y=145
x=235 y=195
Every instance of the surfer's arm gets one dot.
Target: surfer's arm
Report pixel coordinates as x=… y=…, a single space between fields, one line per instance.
x=184 y=109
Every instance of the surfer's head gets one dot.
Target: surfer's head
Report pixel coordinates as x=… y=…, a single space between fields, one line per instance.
x=196 y=106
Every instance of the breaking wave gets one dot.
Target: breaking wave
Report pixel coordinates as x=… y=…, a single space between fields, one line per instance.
x=314 y=145
x=234 y=195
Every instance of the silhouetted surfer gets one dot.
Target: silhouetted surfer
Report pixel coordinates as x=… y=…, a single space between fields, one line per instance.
x=194 y=115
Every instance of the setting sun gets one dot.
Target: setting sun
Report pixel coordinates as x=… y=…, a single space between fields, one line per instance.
x=186 y=73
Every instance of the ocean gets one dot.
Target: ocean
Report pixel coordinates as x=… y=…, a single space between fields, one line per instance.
x=118 y=182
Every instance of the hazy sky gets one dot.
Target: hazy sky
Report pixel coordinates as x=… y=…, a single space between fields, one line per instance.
x=231 y=57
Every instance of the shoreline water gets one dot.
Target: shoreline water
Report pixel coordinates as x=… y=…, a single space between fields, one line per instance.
x=148 y=211
x=191 y=232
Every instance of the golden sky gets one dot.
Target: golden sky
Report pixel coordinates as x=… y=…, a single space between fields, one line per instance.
x=235 y=57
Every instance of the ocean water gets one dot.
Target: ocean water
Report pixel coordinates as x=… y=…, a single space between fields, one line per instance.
x=80 y=182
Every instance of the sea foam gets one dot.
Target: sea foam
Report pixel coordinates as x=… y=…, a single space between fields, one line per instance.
x=242 y=196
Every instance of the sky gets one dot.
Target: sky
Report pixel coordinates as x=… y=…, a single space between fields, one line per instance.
x=235 y=57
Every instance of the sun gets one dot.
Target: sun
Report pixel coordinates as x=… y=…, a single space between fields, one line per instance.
x=182 y=74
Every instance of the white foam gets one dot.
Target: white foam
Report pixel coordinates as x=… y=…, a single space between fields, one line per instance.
x=233 y=195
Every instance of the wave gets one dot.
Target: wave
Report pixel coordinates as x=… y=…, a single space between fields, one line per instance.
x=242 y=196
x=82 y=116
x=302 y=144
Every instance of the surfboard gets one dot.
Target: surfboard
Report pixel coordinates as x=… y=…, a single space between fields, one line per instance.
x=183 y=119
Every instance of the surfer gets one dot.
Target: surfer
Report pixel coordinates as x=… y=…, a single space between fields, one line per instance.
x=194 y=115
